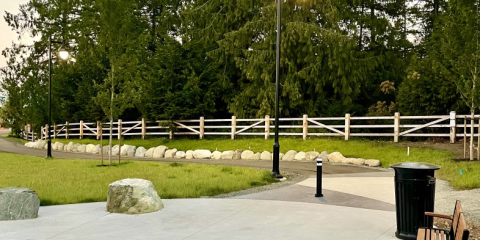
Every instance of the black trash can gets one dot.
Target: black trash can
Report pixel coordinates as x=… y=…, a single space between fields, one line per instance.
x=414 y=195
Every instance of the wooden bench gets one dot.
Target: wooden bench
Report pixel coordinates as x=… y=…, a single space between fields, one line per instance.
x=458 y=229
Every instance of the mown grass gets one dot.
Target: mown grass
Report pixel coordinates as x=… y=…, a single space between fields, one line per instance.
x=388 y=153
x=60 y=181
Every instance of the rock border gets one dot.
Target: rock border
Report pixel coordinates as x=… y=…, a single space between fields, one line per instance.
x=164 y=152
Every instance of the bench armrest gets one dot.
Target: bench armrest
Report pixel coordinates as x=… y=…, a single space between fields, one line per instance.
x=438 y=215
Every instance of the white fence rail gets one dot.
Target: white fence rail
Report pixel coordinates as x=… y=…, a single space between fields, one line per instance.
x=445 y=126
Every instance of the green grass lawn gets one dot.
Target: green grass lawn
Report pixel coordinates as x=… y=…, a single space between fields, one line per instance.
x=388 y=153
x=61 y=181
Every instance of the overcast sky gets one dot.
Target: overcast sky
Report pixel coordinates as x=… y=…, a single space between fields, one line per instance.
x=6 y=34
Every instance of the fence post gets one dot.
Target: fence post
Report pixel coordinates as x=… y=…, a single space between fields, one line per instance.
x=81 y=129
x=478 y=140
x=234 y=126
x=54 y=131
x=267 y=127
x=66 y=130
x=202 y=127
x=465 y=138
x=305 y=126
x=99 y=129
x=453 y=126
x=43 y=132
x=396 y=127
x=347 y=126
x=119 y=129
x=144 y=128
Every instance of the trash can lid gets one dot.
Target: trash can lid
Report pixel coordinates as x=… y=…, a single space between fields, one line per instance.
x=415 y=165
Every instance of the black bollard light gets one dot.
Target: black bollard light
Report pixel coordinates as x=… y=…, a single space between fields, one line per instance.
x=319 y=177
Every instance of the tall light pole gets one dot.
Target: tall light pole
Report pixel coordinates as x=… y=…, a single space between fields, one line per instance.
x=63 y=54
x=276 y=145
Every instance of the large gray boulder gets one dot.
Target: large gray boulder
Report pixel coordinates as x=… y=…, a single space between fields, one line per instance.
x=311 y=156
x=133 y=196
x=149 y=152
x=180 y=154
x=128 y=150
x=247 y=154
x=202 y=154
x=227 y=155
x=96 y=149
x=170 y=153
x=290 y=155
x=300 y=156
x=256 y=156
x=266 y=155
x=89 y=148
x=159 y=152
x=189 y=154
x=237 y=154
x=18 y=203
x=82 y=148
x=140 y=152
x=357 y=161
x=336 y=157
x=324 y=156
x=60 y=146
x=75 y=147
x=115 y=150
x=217 y=155
x=372 y=162
x=280 y=156
x=30 y=144
x=40 y=144
x=70 y=146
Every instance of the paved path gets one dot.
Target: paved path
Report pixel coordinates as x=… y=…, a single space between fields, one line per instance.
x=357 y=204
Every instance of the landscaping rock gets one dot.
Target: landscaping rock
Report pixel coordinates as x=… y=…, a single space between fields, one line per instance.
x=46 y=146
x=90 y=148
x=324 y=156
x=18 y=203
x=159 y=152
x=75 y=147
x=217 y=155
x=128 y=150
x=290 y=155
x=65 y=148
x=280 y=156
x=133 y=196
x=266 y=155
x=180 y=154
x=189 y=154
x=336 y=157
x=300 y=156
x=237 y=154
x=202 y=154
x=256 y=156
x=40 y=144
x=170 y=153
x=311 y=156
x=106 y=150
x=30 y=144
x=82 y=148
x=149 y=152
x=70 y=146
x=115 y=150
x=60 y=146
x=96 y=149
x=372 y=163
x=227 y=154
x=54 y=146
x=247 y=154
x=358 y=161
x=140 y=152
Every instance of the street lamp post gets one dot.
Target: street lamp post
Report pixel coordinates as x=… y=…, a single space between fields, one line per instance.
x=276 y=145
x=63 y=54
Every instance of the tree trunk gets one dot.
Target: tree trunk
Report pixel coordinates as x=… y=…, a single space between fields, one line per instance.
x=472 y=131
x=111 y=119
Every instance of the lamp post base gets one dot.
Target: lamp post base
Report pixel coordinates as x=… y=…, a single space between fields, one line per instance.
x=276 y=161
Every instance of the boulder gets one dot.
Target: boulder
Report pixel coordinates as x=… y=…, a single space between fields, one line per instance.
x=70 y=146
x=54 y=145
x=96 y=149
x=82 y=148
x=217 y=155
x=311 y=156
x=90 y=148
x=237 y=154
x=128 y=150
x=46 y=146
x=280 y=156
x=159 y=152
x=336 y=157
x=170 y=153
x=30 y=144
x=133 y=196
x=140 y=152
x=227 y=154
x=358 y=161
x=180 y=154
x=256 y=156
x=324 y=156
x=300 y=156
x=75 y=147
x=65 y=148
x=247 y=154
x=149 y=152
x=290 y=155
x=115 y=150
x=40 y=144
x=60 y=146
x=106 y=150
x=202 y=154
x=372 y=163
x=266 y=155
x=18 y=203
x=189 y=154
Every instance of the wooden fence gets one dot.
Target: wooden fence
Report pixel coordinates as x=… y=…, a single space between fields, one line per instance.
x=445 y=126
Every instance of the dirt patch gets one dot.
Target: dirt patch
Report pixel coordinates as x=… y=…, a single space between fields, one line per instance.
x=473 y=227
x=455 y=148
